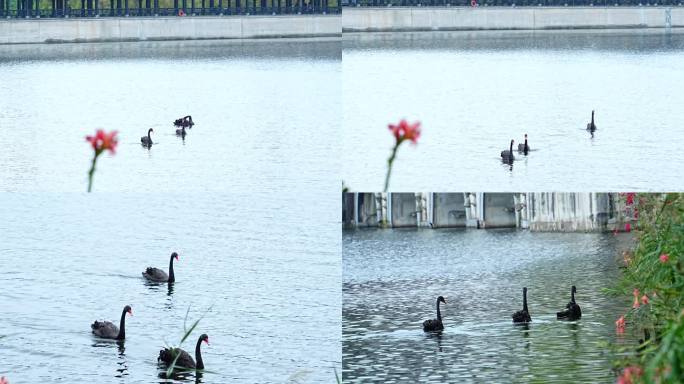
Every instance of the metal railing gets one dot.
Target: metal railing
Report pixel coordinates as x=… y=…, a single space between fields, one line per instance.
x=511 y=3
x=151 y=8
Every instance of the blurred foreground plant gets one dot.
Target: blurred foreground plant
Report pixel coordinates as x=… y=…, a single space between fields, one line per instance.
x=186 y=333
x=402 y=132
x=101 y=142
x=655 y=277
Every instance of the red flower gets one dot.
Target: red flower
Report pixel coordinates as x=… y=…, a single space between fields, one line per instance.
x=644 y=299
x=636 y=298
x=3 y=380
x=620 y=324
x=405 y=131
x=628 y=227
x=636 y=213
x=664 y=258
x=630 y=198
x=629 y=374
x=103 y=141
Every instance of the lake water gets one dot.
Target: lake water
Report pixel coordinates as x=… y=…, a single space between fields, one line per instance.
x=271 y=279
x=267 y=115
x=391 y=279
x=475 y=91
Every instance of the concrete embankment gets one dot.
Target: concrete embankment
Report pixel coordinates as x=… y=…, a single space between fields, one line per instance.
x=26 y=31
x=387 y=19
x=558 y=212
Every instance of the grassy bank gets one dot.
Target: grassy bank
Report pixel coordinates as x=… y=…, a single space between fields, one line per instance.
x=654 y=275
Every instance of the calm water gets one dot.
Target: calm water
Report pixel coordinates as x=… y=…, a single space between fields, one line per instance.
x=273 y=281
x=267 y=115
x=474 y=92
x=391 y=279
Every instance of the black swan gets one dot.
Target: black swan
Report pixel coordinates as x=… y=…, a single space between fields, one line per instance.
x=524 y=315
x=591 y=126
x=184 y=122
x=572 y=310
x=156 y=274
x=147 y=140
x=167 y=355
x=435 y=324
x=107 y=330
x=507 y=156
x=524 y=148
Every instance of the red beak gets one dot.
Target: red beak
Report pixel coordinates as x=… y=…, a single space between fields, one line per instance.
x=206 y=341
x=130 y=312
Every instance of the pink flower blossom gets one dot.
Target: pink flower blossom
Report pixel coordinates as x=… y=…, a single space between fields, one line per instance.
x=664 y=258
x=620 y=324
x=628 y=227
x=644 y=299
x=629 y=375
x=103 y=141
x=3 y=380
x=405 y=131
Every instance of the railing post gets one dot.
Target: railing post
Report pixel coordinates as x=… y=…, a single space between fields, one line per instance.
x=126 y=6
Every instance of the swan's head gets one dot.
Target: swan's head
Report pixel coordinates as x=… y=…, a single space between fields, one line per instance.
x=205 y=338
x=174 y=255
x=512 y=141
x=128 y=309
x=441 y=298
x=150 y=131
x=574 y=290
x=526 y=136
x=524 y=289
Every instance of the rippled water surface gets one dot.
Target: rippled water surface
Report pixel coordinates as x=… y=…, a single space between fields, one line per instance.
x=391 y=279
x=475 y=91
x=266 y=114
x=272 y=282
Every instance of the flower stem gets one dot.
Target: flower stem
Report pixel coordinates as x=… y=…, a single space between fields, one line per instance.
x=390 y=161
x=91 y=173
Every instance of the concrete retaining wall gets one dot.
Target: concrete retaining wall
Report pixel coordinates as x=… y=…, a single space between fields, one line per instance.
x=18 y=31
x=508 y=18
x=545 y=212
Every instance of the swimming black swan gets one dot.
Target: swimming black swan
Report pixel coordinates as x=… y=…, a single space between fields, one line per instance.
x=184 y=360
x=524 y=315
x=147 y=140
x=435 y=324
x=524 y=148
x=591 y=126
x=156 y=274
x=107 y=330
x=184 y=122
x=572 y=310
x=507 y=156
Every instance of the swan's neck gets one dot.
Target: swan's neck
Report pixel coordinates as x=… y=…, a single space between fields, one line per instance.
x=592 y=117
x=198 y=355
x=525 y=301
x=148 y=134
x=510 y=149
x=572 y=297
x=172 y=278
x=439 y=314
x=122 y=326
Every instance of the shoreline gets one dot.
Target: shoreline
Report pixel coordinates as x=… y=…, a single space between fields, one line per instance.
x=138 y=29
x=422 y=19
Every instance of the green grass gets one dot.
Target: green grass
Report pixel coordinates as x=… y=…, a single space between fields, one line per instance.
x=660 y=230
